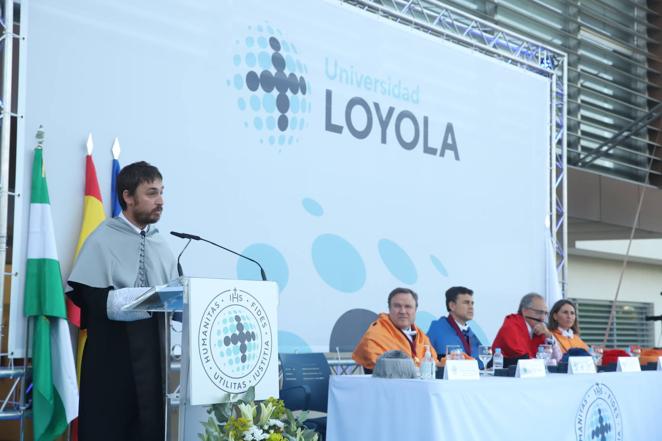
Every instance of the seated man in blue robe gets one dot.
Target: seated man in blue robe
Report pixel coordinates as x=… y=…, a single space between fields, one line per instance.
x=454 y=329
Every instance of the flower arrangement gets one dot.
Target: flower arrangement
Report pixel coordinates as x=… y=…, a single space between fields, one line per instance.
x=243 y=419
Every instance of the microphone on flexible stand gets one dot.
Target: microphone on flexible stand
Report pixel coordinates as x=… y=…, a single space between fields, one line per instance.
x=533 y=318
x=180 y=271
x=194 y=237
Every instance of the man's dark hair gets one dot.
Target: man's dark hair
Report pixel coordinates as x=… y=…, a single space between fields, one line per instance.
x=453 y=292
x=132 y=175
x=397 y=291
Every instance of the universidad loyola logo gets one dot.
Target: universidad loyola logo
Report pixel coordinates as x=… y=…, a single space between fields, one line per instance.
x=271 y=81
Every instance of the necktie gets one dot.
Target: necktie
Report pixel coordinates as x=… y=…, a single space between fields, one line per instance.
x=467 y=346
x=141 y=278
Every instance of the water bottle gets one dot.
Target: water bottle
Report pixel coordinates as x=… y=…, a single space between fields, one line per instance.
x=427 y=365
x=540 y=355
x=497 y=360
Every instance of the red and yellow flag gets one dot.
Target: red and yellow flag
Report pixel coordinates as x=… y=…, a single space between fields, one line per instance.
x=93 y=215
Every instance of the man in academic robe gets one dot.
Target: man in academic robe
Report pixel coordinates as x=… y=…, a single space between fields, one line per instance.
x=454 y=329
x=395 y=330
x=522 y=333
x=121 y=384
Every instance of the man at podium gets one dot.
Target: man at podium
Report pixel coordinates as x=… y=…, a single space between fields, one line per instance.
x=121 y=387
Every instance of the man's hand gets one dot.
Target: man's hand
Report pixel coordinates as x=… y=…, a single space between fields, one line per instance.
x=541 y=329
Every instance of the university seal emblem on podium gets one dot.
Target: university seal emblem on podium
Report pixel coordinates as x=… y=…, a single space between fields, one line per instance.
x=234 y=340
x=598 y=416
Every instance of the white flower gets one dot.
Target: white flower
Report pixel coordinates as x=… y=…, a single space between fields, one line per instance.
x=265 y=413
x=254 y=434
x=247 y=410
x=277 y=423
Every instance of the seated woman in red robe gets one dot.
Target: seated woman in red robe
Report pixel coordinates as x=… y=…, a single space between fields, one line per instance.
x=563 y=324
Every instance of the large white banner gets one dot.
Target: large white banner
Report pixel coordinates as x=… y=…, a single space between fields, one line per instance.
x=347 y=153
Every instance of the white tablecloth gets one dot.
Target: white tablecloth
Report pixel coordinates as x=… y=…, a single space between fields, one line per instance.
x=620 y=406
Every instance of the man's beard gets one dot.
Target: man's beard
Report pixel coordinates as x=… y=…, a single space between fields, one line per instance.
x=149 y=218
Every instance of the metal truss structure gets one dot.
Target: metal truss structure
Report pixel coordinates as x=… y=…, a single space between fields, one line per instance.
x=13 y=404
x=445 y=22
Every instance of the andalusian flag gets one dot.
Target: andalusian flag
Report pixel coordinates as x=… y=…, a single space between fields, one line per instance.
x=93 y=215
x=55 y=393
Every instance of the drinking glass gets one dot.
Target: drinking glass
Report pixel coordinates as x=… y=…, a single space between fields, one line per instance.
x=596 y=352
x=454 y=352
x=549 y=351
x=485 y=355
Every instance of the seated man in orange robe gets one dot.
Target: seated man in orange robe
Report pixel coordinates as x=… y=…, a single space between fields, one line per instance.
x=521 y=333
x=395 y=330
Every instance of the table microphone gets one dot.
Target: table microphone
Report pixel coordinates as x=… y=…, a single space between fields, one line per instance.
x=194 y=237
x=533 y=318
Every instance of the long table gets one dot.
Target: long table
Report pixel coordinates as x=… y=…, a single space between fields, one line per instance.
x=602 y=407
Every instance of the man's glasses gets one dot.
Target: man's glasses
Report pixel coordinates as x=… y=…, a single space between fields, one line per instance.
x=539 y=311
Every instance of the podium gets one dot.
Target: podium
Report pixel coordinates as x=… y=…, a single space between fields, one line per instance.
x=229 y=342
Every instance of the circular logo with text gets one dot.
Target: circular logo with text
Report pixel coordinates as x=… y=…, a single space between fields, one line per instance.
x=235 y=341
x=272 y=85
x=598 y=417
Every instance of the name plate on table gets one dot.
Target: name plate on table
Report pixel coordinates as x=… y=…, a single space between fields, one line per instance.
x=628 y=364
x=533 y=368
x=659 y=363
x=581 y=365
x=461 y=370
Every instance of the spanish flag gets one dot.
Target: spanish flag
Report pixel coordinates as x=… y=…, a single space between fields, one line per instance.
x=93 y=215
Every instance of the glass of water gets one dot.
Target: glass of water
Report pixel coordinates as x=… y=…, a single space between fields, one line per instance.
x=596 y=352
x=549 y=352
x=454 y=352
x=485 y=355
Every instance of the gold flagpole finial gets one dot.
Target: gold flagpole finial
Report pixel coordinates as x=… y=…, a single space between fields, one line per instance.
x=89 y=144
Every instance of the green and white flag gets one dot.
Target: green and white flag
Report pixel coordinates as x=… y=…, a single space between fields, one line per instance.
x=55 y=391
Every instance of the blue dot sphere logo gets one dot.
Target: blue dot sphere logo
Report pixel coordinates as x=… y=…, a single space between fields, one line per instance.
x=271 y=81
x=234 y=341
x=599 y=417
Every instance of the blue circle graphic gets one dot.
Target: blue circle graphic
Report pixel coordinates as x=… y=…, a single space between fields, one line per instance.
x=482 y=337
x=271 y=259
x=290 y=343
x=338 y=263
x=397 y=261
x=238 y=82
x=439 y=266
x=423 y=320
x=312 y=207
x=269 y=103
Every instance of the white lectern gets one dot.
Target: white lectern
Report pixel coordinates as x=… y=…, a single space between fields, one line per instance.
x=229 y=343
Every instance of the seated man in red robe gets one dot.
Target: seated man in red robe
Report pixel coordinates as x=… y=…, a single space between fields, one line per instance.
x=395 y=330
x=522 y=333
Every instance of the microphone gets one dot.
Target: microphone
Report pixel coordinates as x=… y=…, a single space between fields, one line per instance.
x=653 y=318
x=534 y=319
x=186 y=236
x=180 y=271
x=194 y=237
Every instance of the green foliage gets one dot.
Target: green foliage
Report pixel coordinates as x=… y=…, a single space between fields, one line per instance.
x=241 y=418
